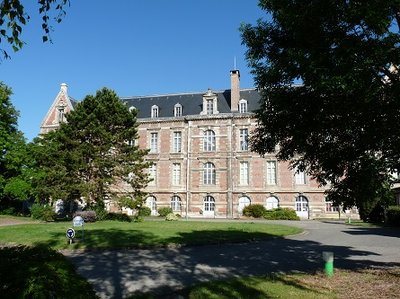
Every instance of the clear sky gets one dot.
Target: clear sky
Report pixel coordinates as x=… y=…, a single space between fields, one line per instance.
x=135 y=47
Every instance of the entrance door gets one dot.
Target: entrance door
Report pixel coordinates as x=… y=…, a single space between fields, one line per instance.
x=244 y=201
x=302 y=207
x=209 y=206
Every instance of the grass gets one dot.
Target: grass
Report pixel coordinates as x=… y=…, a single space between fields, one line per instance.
x=113 y=234
x=359 y=284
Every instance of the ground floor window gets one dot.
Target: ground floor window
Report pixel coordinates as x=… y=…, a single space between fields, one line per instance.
x=151 y=202
x=330 y=207
x=209 y=204
x=244 y=201
x=271 y=203
x=176 y=203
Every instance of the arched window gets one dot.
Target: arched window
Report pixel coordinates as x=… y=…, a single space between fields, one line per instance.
x=209 y=141
x=244 y=201
x=151 y=202
x=209 y=173
x=271 y=203
x=154 y=111
x=301 y=206
x=242 y=106
x=209 y=204
x=177 y=110
x=176 y=203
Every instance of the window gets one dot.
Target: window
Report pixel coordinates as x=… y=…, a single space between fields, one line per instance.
x=244 y=201
x=178 y=110
x=210 y=106
x=177 y=142
x=176 y=174
x=244 y=173
x=329 y=207
x=209 y=141
x=209 y=174
x=242 y=106
x=151 y=202
x=176 y=203
x=300 y=177
x=154 y=111
x=271 y=172
x=209 y=204
x=271 y=203
x=154 y=142
x=301 y=204
x=244 y=138
x=60 y=116
x=153 y=174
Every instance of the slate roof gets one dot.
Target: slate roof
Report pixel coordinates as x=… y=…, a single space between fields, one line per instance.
x=191 y=102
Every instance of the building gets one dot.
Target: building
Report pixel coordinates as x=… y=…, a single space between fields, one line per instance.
x=202 y=162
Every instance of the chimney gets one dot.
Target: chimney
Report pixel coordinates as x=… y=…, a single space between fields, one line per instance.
x=235 y=90
x=64 y=87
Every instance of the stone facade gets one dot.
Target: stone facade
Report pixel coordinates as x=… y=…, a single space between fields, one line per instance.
x=203 y=164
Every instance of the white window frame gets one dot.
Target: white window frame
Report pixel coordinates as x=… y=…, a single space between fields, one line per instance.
x=300 y=177
x=209 y=174
x=242 y=106
x=177 y=142
x=154 y=111
x=209 y=141
x=176 y=174
x=178 y=110
x=244 y=139
x=272 y=202
x=153 y=175
x=176 y=203
x=151 y=202
x=153 y=142
x=244 y=173
x=271 y=172
x=209 y=204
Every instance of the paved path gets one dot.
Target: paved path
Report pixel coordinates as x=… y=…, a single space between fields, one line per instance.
x=116 y=274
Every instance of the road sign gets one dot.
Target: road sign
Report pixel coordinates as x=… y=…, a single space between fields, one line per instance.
x=70 y=233
x=78 y=221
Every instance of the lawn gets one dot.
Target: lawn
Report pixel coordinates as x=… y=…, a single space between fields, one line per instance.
x=113 y=234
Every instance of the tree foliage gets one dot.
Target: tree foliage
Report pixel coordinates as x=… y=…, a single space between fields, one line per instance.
x=15 y=160
x=93 y=155
x=13 y=17
x=328 y=74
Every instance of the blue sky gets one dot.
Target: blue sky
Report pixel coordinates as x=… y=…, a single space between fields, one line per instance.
x=138 y=47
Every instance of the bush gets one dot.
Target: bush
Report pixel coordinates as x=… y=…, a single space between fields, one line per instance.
x=8 y=211
x=144 y=212
x=41 y=212
x=163 y=212
x=393 y=215
x=256 y=211
x=171 y=217
x=281 y=214
x=118 y=217
x=88 y=216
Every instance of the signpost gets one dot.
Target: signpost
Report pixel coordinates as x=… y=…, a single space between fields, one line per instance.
x=70 y=234
x=78 y=221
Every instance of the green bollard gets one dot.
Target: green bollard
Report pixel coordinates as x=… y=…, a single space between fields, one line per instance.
x=328 y=258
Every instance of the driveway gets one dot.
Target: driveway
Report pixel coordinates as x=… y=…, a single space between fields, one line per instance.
x=117 y=274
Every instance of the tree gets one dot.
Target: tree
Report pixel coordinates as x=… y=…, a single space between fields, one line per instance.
x=14 y=156
x=94 y=154
x=327 y=72
x=13 y=17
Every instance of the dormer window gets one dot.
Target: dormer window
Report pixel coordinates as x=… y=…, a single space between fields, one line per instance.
x=242 y=106
x=60 y=114
x=210 y=103
x=154 y=111
x=178 y=110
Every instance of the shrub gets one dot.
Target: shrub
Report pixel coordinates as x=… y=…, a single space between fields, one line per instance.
x=256 y=211
x=393 y=215
x=164 y=211
x=8 y=211
x=144 y=211
x=281 y=214
x=88 y=216
x=41 y=212
x=118 y=217
x=171 y=217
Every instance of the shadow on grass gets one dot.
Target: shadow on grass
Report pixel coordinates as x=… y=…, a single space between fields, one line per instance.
x=160 y=271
